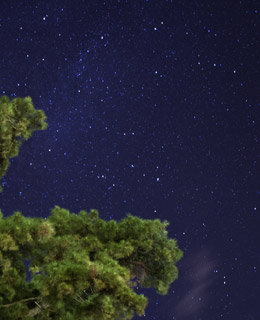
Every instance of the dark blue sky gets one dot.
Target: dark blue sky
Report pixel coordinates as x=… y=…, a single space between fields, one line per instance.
x=153 y=108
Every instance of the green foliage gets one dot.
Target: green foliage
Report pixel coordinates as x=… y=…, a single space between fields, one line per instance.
x=78 y=270
x=18 y=119
x=81 y=266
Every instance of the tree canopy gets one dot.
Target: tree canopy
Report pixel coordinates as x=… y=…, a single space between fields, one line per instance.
x=18 y=119
x=81 y=266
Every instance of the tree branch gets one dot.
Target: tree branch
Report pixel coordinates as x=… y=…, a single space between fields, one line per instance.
x=139 y=263
x=21 y=301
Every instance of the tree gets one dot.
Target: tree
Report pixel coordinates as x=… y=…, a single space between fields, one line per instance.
x=81 y=267
x=18 y=119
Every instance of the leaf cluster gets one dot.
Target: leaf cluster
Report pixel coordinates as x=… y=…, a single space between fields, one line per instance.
x=18 y=119
x=82 y=267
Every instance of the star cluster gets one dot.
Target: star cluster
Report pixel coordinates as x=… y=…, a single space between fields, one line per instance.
x=153 y=109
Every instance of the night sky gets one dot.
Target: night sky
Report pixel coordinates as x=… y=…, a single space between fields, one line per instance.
x=153 y=109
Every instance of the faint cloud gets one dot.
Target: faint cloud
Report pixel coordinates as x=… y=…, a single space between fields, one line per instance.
x=198 y=273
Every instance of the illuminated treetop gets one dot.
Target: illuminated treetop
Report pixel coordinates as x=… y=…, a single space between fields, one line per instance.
x=18 y=119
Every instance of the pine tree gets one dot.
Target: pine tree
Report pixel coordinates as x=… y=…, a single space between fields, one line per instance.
x=81 y=266
x=18 y=119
